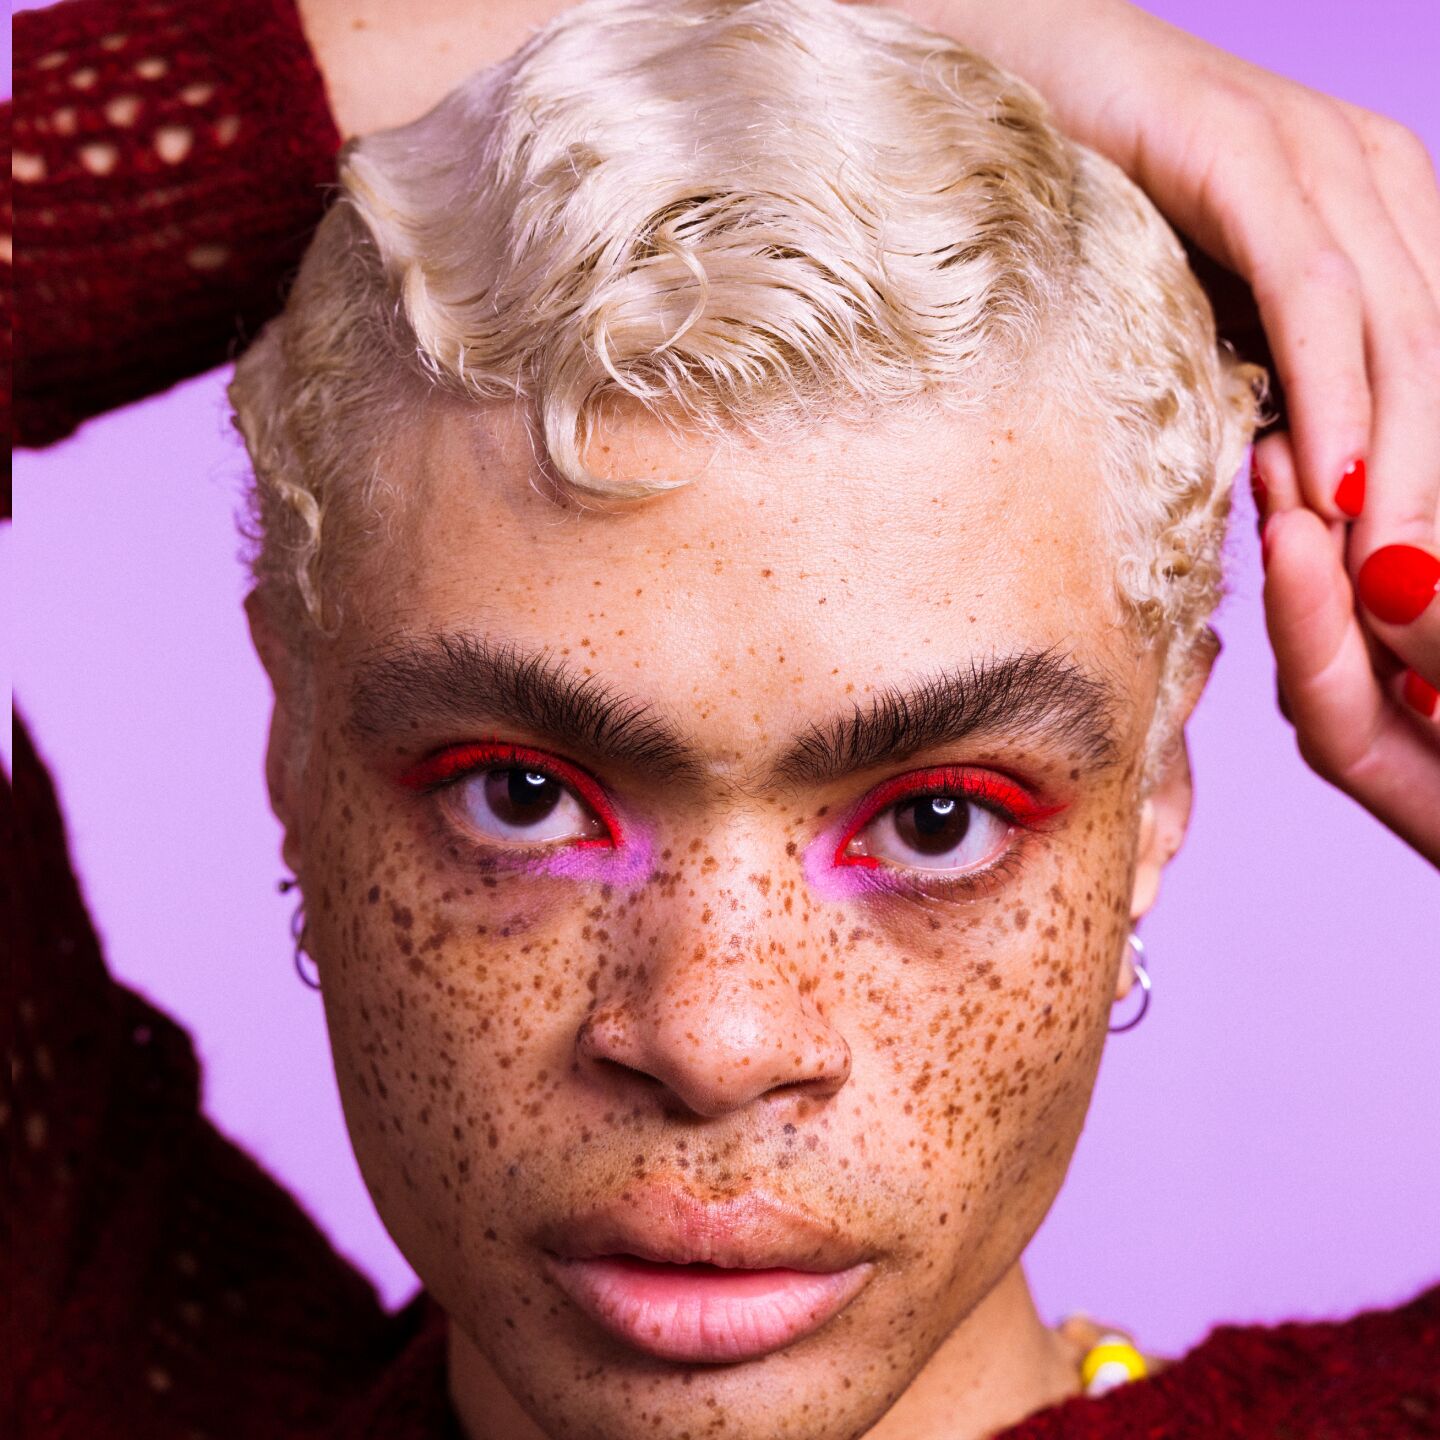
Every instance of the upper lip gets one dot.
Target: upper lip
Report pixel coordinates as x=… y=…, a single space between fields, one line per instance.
x=666 y=1222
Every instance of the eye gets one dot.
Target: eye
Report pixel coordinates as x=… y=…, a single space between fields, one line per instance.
x=508 y=795
x=515 y=802
x=949 y=821
x=934 y=832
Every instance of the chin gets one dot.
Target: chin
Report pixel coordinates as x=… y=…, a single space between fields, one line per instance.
x=598 y=1392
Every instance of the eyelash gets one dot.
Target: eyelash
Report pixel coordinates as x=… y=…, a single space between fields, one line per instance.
x=1012 y=802
x=1007 y=798
x=454 y=763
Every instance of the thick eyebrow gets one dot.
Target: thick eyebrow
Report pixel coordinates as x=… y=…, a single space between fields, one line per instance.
x=1036 y=693
x=463 y=679
x=460 y=679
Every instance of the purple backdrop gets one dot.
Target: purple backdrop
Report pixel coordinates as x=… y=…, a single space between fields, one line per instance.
x=1264 y=1146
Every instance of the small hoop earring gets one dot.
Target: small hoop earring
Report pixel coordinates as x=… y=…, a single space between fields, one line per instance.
x=310 y=977
x=1137 y=962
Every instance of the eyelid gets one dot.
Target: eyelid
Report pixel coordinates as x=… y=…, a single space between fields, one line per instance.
x=452 y=763
x=1007 y=797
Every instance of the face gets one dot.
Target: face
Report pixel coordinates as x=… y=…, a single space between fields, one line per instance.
x=719 y=904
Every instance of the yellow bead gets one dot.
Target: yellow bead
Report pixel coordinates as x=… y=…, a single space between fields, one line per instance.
x=1112 y=1362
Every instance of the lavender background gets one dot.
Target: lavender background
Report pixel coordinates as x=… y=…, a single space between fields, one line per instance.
x=1264 y=1146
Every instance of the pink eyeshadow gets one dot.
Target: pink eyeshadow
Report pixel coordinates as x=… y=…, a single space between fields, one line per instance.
x=628 y=865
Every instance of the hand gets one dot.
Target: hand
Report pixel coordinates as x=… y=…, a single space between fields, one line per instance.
x=1330 y=215
x=1358 y=712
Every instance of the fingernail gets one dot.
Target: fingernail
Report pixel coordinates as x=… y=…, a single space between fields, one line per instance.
x=1397 y=582
x=1420 y=694
x=1258 y=489
x=1350 y=492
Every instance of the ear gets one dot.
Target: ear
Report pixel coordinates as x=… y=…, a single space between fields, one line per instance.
x=287 y=716
x=1165 y=812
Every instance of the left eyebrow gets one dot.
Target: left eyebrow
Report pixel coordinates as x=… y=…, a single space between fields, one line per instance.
x=1037 y=693
x=462 y=680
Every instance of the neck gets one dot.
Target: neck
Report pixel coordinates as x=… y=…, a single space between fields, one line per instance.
x=1000 y=1364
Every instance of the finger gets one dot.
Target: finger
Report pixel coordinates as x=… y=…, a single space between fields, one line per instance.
x=1402 y=341
x=1274 y=481
x=1244 y=201
x=1275 y=488
x=1423 y=698
x=1404 y=173
x=1399 y=592
x=1334 y=697
x=1309 y=295
x=1398 y=781
x=1397 y=535
x=1346 y=728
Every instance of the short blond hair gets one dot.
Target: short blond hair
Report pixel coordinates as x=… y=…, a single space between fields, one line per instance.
x=743 y=213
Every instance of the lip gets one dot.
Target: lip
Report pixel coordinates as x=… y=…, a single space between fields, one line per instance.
x=704 y=1281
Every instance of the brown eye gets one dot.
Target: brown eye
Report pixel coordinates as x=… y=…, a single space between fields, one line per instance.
x=523 y=804
x=933 y=824
x=935 y=833
x=521 y=797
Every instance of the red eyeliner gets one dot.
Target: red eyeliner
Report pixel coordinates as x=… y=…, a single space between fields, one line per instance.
x=1006 y=797
x=452 y=763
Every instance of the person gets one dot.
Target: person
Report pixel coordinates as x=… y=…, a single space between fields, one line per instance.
x=624 y=977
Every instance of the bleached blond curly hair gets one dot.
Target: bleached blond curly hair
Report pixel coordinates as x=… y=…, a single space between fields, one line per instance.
x=743 y=214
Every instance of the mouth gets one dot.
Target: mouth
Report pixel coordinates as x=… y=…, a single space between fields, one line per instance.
x=699 y=1282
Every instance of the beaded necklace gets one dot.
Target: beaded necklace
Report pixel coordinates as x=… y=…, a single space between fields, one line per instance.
x=1112 y=1360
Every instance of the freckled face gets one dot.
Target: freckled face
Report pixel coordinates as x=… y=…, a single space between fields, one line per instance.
x=878 y=995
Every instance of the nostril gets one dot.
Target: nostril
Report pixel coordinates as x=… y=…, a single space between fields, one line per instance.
x=619 y=1070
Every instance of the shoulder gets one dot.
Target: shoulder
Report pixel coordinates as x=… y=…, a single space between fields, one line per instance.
x=1375 y=1375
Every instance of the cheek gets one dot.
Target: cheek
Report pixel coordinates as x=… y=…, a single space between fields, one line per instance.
x=987 y=1044
x=440 y=989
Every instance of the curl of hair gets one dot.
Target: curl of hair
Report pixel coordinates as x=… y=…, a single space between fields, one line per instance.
x=743 y=214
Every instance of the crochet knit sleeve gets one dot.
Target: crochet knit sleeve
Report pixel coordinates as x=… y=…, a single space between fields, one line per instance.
x=170 y=160
x=156 y=1280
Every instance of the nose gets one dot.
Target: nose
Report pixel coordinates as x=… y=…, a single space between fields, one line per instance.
x=713 y=1018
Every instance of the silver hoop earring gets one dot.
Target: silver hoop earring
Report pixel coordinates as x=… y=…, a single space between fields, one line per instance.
x=310 y=976
x=1137 y=961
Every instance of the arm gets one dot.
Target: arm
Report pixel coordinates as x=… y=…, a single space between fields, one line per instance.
x=149 y=1266
x=169 y=163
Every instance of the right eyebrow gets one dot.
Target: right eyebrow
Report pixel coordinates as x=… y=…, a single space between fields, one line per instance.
x=1041 y=693
x=459 y=679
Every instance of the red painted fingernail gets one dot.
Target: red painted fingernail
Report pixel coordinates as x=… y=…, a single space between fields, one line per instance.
x=1420 y=694
x=1350 y=492
x=1257 y=488
x=1397 y=582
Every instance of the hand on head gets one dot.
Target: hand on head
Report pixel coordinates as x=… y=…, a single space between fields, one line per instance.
x=1331 y=216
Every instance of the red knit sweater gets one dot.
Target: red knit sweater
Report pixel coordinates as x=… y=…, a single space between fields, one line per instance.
x=157 y=1283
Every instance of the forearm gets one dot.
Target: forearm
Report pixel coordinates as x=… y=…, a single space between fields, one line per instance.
x=385 y=64
x=168 y=169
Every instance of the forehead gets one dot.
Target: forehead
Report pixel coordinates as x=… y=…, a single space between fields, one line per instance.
x=781 y=575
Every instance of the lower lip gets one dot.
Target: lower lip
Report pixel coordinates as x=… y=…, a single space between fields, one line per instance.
x=703 y=1314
